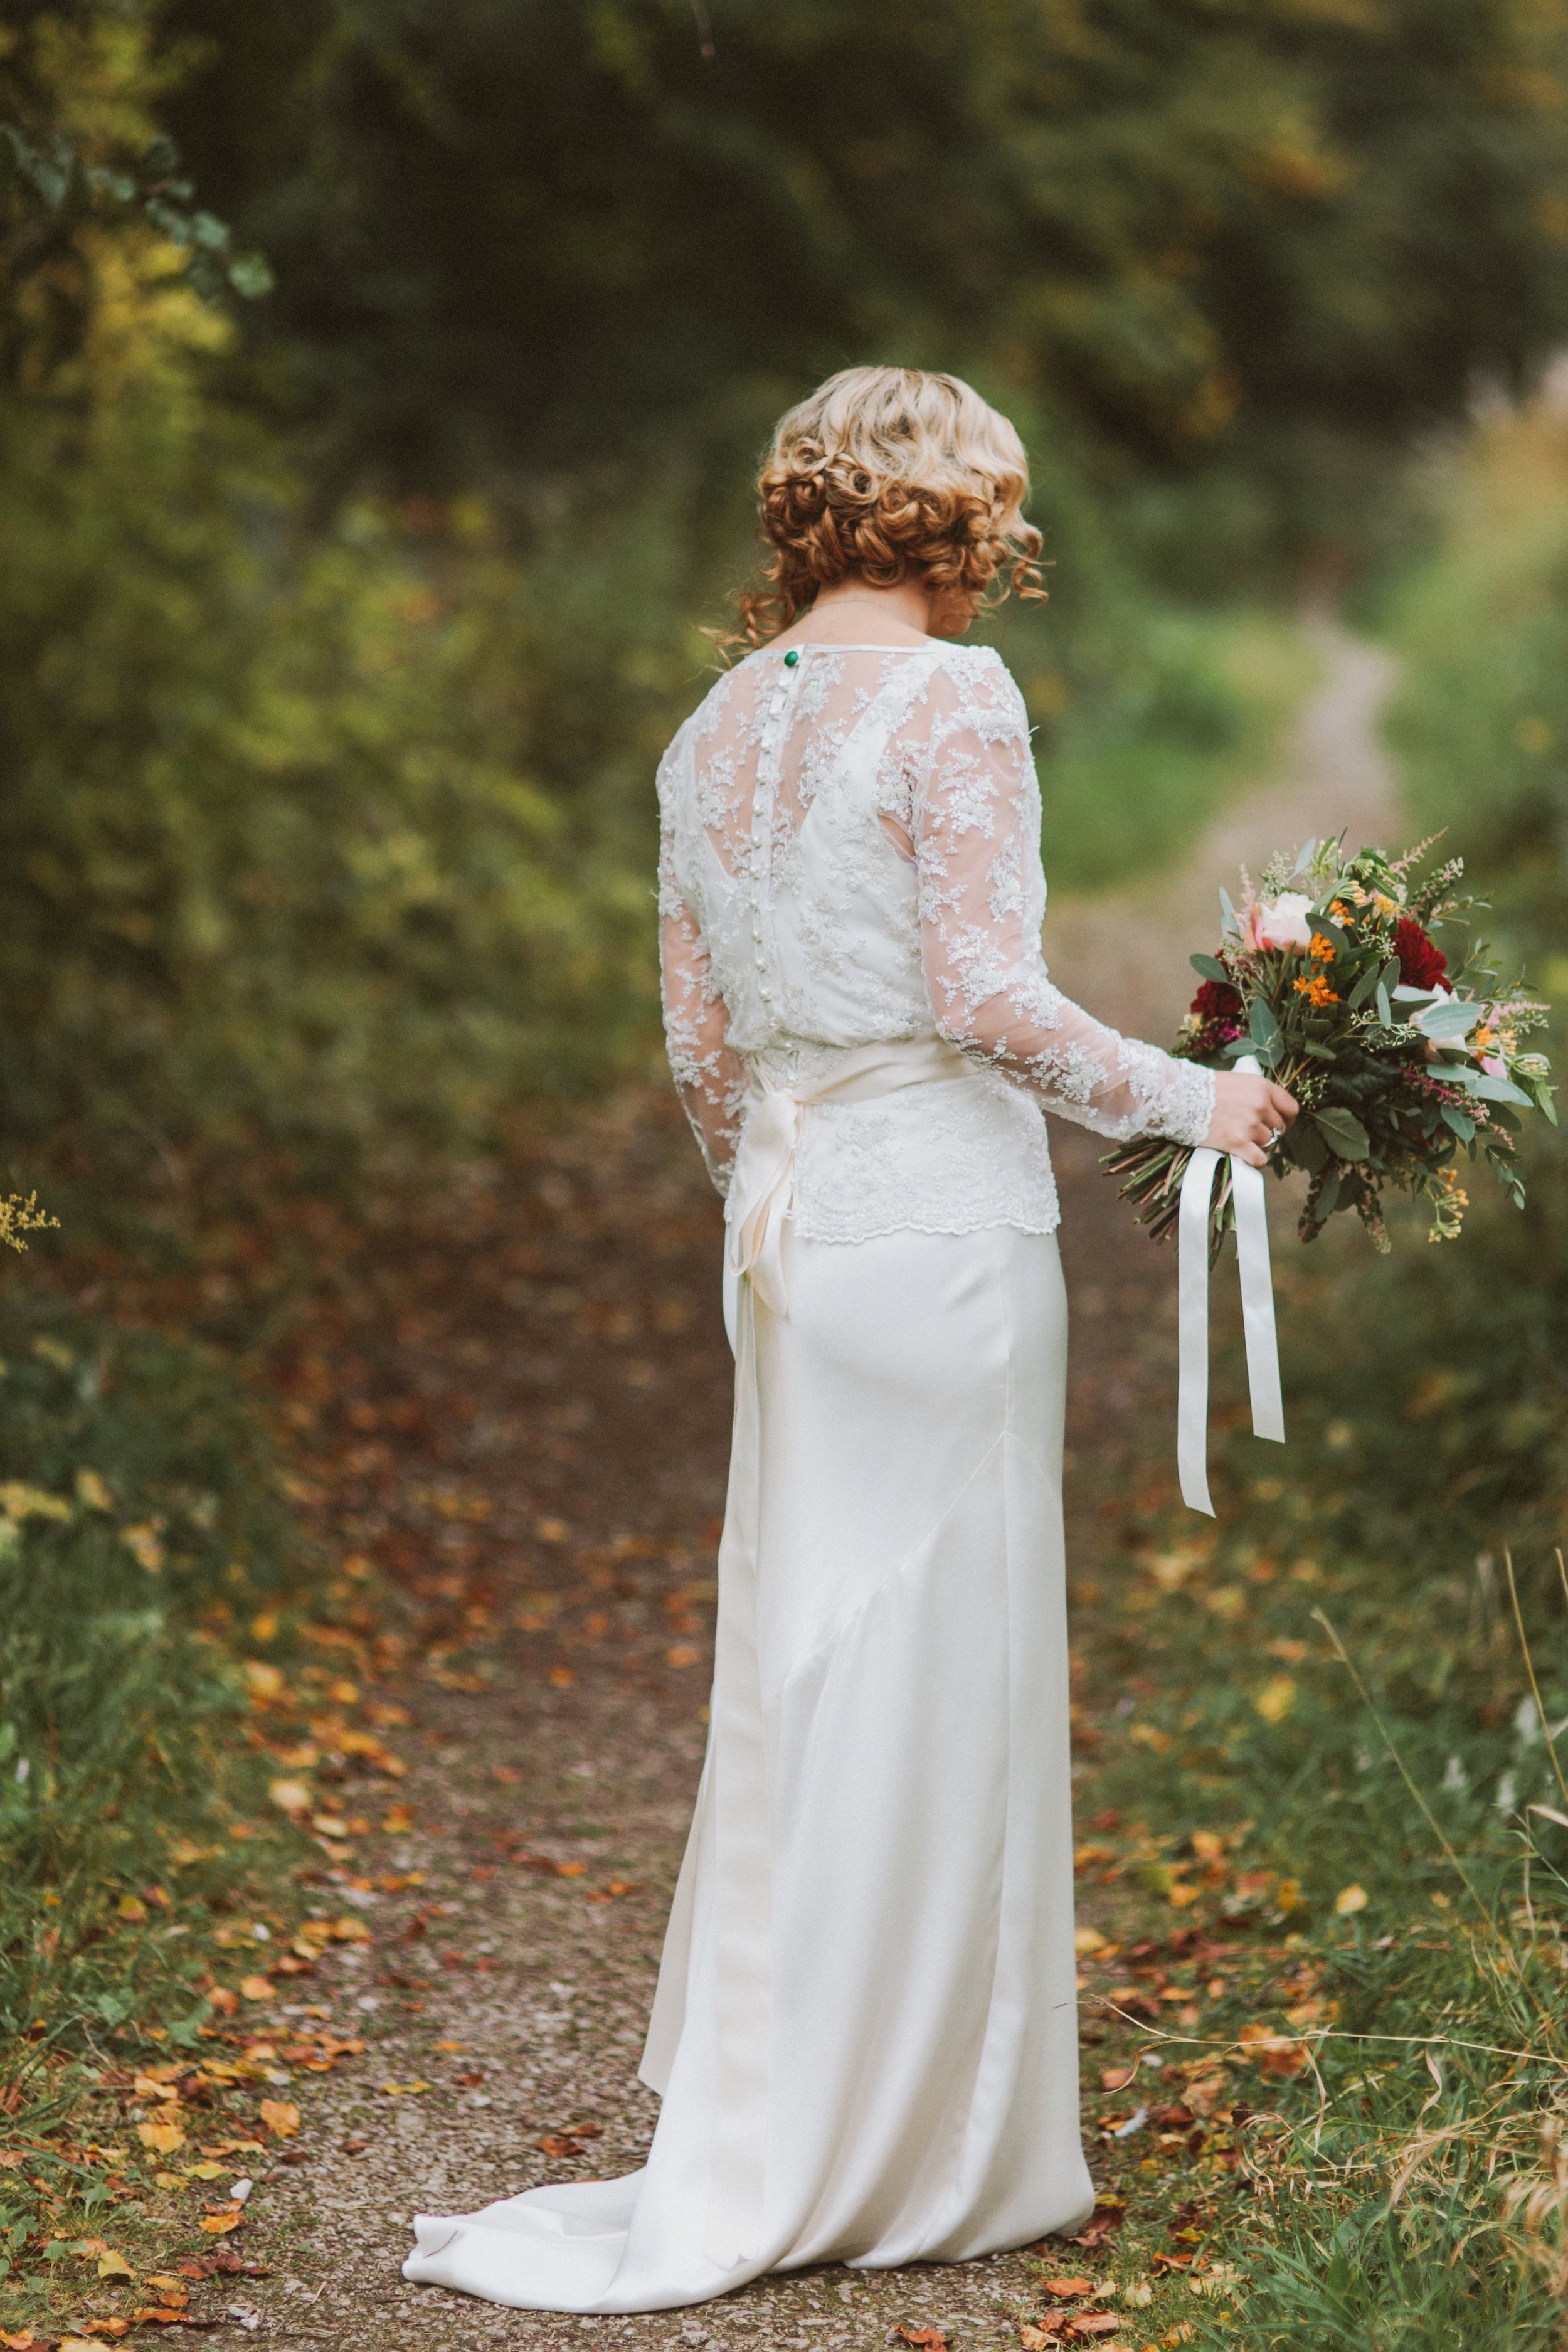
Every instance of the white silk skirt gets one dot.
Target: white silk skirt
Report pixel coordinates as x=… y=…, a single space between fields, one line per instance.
x=865 y=2029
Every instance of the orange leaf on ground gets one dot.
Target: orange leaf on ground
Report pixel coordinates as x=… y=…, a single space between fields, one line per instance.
x=932 y=2338
x=1088 y=2324
x=280 y=2118
x=217 y=2225
x=165 y=2138
x=23 y=2341
x=256 y=1987
x=1066 y=2289
x=1116 y=2078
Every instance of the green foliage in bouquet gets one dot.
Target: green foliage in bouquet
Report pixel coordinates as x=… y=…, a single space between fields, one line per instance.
x=1330 y=976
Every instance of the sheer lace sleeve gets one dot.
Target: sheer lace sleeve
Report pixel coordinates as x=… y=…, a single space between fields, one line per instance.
x=976 y=831
x=708 y=1074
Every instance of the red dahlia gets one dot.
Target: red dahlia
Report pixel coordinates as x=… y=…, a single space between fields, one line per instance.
x=1422 y=963
x=1218 y=1001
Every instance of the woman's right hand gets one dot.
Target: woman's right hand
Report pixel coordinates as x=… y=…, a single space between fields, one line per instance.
x=1250 y=1113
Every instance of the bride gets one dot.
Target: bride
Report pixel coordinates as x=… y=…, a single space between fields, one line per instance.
x=864 y=2032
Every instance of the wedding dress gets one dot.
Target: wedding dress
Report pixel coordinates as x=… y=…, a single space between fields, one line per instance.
x=864 y=2031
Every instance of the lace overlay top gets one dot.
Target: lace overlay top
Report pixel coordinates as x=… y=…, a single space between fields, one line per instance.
x=850 y=854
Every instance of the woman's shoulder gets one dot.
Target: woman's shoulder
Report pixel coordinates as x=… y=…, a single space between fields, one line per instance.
x=735 y=680
x=977 y=679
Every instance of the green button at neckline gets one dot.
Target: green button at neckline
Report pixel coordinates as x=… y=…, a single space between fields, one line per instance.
x=792 y=658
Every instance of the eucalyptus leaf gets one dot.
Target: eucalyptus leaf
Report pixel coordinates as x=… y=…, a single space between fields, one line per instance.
x=1209 y=967
x=1341 y=1131
x=1447 y=1022
x=1459 y=1121
x=1305 y=1146
x=1261 y=1024
x=1229 y=920
x=1499 y=1091
x=1384 y=1010
x=1363 y=989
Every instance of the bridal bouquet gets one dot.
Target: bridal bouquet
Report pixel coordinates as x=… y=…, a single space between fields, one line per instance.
x=1329 y=975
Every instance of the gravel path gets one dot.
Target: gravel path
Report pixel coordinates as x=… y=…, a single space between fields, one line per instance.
x=517 y=1404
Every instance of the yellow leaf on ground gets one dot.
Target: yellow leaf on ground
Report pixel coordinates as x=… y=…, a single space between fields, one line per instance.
x=165 y=2138
x=1276 y=1699
x=404 y=2090
x=264 y=1683
x=145 y=1546
x=349 y=1930
x=1349 y=1899
x=256 y=1987
x=290 y=1796
x=218 y=2225
x=1086 y=1941
x=113 y=2265
x=92 y=1490
x=280 y=2118
x=207 y=2172
x=132 y=1908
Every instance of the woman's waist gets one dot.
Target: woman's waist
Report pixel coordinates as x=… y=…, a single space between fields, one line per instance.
x=816 y=1071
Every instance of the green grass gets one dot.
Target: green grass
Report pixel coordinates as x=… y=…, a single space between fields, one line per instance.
x=139 y=1511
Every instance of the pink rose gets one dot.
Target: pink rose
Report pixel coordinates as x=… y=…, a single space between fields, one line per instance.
x=1282 y=923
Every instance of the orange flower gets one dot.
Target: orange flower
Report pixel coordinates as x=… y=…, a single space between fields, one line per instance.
x=1317 y=989
x=1322 y=948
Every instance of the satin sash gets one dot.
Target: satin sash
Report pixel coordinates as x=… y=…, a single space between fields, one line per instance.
x=764 y=1177
x=1192 y=1311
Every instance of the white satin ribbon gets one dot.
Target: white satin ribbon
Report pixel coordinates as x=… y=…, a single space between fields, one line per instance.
x=1193 y=1312
x=764 y=1177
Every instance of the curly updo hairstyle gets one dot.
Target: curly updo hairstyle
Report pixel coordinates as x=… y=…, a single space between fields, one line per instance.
x=886 y=474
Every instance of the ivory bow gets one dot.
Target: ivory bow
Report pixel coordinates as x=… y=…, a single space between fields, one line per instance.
x=764 y=1176
x=1192 y=1311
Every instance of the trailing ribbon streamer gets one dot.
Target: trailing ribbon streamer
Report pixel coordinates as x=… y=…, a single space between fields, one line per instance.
x=1193 y=1312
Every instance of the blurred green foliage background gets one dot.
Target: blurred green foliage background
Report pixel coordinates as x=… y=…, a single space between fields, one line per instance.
x=341 y=626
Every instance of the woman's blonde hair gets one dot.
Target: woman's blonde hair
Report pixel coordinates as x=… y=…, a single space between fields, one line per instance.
x=884 y=472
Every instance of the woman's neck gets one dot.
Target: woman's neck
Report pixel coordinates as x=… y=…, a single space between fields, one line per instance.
x=853 y=613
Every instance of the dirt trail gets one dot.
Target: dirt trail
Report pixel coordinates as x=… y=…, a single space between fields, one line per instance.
x=519 y=1407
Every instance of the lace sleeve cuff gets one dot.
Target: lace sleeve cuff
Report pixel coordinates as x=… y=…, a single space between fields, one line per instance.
x=1187 y=1110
